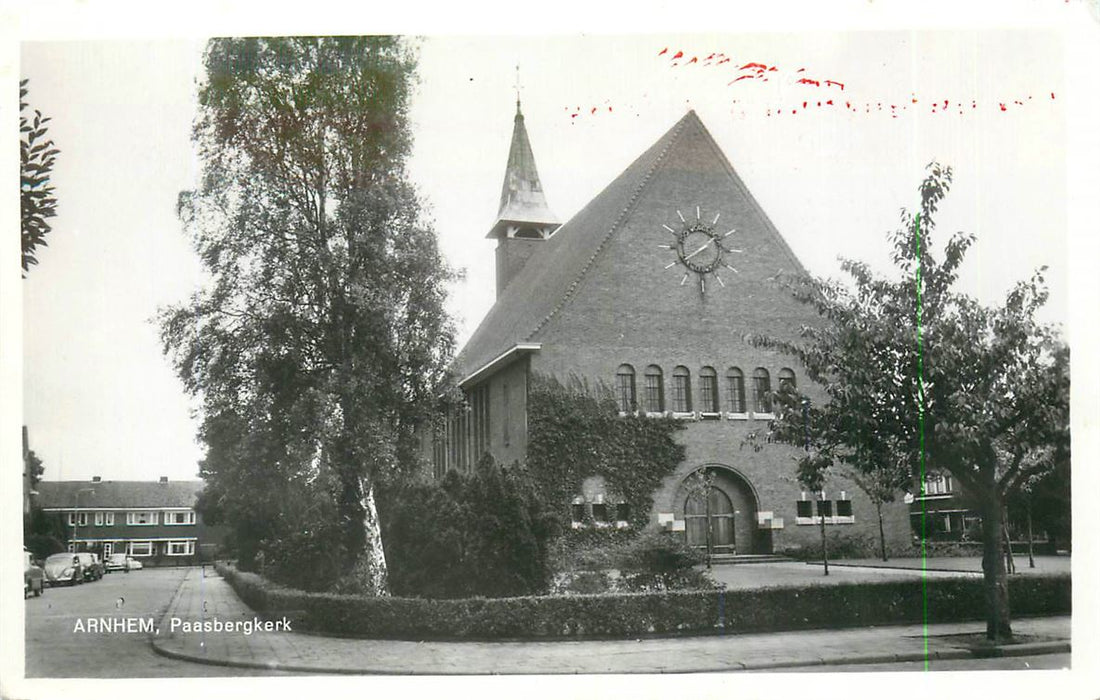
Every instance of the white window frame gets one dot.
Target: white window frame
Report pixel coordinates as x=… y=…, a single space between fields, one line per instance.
x=187 y=545
x=132 y=517
x=189 y=519
x=78 y=519
x=104 y=518
x=147 y=545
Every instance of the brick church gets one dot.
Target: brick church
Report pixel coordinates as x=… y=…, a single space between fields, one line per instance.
x=651 y=288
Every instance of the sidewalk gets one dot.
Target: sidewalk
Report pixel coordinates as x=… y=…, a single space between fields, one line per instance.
x=205 y=597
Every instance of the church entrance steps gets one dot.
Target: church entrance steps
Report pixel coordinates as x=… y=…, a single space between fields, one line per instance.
x=747 y=558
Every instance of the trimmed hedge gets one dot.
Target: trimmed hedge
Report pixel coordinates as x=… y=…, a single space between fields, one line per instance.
x=631 y=615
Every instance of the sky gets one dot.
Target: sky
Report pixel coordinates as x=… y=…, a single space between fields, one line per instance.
x=100 y=398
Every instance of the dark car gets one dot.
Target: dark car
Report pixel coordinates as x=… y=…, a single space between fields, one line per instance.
x=34 y=578
x=64 y=567
x=93 y=568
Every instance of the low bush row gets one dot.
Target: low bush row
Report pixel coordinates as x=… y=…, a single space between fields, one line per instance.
x=627 y=614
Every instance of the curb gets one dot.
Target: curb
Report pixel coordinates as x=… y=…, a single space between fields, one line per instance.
x=1029 y=649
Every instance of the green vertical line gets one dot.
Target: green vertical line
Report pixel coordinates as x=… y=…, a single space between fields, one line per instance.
x=920 y=419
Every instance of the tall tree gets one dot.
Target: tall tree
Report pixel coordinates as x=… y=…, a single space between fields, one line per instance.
x=922 y=378
x=315 y=345
x=36 y=199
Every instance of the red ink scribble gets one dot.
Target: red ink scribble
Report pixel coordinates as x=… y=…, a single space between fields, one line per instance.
x=679 y=54
x=758 y=66
x=694 y=59
x=663 y=51
x=1052 y=95
x=743 y=77
x=593 y=111
x=809 y=81
x=800 y=70
x=1003 y=108
x=831 y=83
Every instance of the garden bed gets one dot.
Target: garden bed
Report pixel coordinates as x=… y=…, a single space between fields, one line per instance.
x=641 y=614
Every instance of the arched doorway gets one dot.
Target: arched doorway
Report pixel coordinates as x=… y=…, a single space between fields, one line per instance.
x=720 y=505
x=708 y=516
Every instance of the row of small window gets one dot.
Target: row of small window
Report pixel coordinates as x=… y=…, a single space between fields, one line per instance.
x=710 y=396
x=600 y=514
x=173 y=548
x=107 y=518
x=838 y=511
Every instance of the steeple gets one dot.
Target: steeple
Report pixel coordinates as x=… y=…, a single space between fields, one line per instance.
x=524 y=220
x=523 y=211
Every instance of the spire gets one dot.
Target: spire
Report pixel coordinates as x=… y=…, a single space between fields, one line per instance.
x=523 y=210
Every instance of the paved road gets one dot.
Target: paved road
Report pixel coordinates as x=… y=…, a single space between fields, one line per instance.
x=62 y=642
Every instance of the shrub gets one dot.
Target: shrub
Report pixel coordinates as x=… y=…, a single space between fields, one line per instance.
x=485 y=534
x=633 y=614
x=42 y=546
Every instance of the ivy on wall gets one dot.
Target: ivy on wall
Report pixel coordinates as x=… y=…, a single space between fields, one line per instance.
x=576 y=432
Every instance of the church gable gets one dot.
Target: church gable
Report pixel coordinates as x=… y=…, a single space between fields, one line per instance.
x=663 y=286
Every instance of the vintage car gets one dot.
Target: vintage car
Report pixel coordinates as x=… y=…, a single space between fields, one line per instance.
x=34 y=579
x=118 y=562
x=63 y=567
x=93 y=568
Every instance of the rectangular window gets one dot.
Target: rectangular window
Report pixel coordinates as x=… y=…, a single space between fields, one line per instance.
x=736 y=396
x=622 y=512
x=654 y=401
x=844 y=508
x=805 y=509
x=762 y=399
x=78 y=519
x=578 y=512
x=182 y=548
x=179 y=517
x=825 y=508
x=626 y=392
x=681 y=396
x=99 y=519
x=505 y=418
x=108 y=518
x=708 y=386
x=599 y=512
x=141 y=518
x=141 y=549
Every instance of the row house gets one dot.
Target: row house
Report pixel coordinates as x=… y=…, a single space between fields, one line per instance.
x=144 y=519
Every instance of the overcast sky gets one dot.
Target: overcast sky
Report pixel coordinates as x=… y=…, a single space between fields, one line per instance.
x=101 y=399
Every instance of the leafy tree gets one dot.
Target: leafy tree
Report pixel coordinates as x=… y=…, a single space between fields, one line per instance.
x=318 y=339
x=926 y=379
x=36 y=200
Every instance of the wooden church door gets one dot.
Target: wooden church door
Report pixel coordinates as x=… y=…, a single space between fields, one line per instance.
x=713 y=515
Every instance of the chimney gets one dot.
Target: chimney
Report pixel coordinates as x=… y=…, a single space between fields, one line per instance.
x=95 y=479
x=164 y=480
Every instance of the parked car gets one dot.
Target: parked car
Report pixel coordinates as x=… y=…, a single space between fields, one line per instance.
x=134 y=563
x=93 y=569
x=119 y=562
x=34 y=578
x=63 y=567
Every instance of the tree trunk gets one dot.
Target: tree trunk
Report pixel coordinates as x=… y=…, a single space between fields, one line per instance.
x=371 y=568
x=824 y=542
x=1030 y=538
x=998 y=622
x=1010 y=562
x=881 y=531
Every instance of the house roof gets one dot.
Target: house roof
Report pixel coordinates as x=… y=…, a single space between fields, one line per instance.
x=118 y=494
x=521 y=198
x=556 y=269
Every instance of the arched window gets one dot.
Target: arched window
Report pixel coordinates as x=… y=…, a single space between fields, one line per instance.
x=708 y=390
x=654 y=390
x=786 y=378
x=761 y=391
x=624 y=381
x=735 y=388
x=681 y=389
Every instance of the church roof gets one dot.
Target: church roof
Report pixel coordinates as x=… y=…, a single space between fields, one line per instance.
x=521 y=197
x=554 y=272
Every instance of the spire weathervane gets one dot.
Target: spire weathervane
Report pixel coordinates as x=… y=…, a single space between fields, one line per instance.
x=518 y=86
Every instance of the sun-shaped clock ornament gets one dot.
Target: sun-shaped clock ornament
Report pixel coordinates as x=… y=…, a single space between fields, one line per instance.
x=700 y=248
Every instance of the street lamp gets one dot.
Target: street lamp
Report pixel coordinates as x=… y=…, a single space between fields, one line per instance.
x=76 y=512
